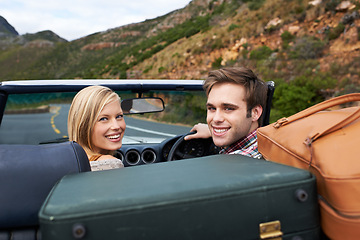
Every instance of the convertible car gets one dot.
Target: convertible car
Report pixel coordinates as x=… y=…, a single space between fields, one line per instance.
x=169 y=188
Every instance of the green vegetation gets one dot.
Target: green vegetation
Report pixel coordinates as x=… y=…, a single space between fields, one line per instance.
x=233 y=26
x=331 y=5
x=217 y=63
x=307 y=47
x=262 y=52
x=300 y=93
x=309 y=87
x=254 y=4
x=31 y=101
x=335 y=33
x=286 y=38
x=186 y=108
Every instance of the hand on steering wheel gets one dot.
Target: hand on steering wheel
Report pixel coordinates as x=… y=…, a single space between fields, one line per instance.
x=174 y=151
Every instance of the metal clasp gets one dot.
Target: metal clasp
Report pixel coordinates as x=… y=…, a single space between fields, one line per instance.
x=270 y=230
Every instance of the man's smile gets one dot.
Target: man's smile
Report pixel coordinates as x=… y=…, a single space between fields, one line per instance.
x=220 y=131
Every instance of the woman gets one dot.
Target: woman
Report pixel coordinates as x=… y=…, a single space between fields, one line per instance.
x=96 y=122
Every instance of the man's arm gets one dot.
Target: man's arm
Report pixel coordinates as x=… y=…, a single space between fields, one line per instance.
x=202 y=131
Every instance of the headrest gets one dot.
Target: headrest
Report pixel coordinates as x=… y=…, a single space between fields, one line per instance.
x=28 y=173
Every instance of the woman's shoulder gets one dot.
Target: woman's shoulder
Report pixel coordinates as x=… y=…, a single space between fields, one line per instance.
x=105 y=162
x=107 y=157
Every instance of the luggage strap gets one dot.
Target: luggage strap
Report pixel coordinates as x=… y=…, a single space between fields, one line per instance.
x=320 y=107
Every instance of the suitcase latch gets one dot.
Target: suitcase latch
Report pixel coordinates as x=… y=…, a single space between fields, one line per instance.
x=271 y=230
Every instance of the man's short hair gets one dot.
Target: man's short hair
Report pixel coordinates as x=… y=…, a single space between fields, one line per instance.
x=255 y=88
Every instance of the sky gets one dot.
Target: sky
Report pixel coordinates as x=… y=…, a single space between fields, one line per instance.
x=73 y=19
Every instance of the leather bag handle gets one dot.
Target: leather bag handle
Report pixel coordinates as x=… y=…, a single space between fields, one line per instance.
x=320 y=107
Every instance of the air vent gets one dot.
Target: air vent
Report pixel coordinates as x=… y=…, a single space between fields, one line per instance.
x=132 y=157
x=148 y=156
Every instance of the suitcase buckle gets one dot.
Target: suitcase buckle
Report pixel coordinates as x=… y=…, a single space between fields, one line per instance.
x=270 y=230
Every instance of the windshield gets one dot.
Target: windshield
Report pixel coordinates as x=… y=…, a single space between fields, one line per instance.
x=42 y=118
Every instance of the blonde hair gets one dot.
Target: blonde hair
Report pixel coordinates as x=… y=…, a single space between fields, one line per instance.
x=84 y=111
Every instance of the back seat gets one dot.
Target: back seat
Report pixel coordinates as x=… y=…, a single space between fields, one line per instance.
x=27 y=174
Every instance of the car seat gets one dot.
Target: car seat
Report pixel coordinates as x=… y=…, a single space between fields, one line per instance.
x=270 y=94
x=27 y=174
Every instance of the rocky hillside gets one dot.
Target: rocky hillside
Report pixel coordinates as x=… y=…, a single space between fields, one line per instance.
x=311 y=49
x=231 y=41
x=6 y=29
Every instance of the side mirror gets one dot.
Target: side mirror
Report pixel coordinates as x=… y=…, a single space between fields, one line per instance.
x=142 y=105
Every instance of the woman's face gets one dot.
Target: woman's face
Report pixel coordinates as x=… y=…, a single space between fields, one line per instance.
x=109 y=128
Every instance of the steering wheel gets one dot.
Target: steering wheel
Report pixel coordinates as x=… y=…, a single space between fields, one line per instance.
x=177 y=152
x=175 y=148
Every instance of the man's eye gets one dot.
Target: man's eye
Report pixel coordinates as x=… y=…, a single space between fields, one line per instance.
x=229 y=109
x=210 y=108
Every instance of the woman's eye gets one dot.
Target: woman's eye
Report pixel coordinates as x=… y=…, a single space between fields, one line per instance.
x=103 y=119
x=120 y=116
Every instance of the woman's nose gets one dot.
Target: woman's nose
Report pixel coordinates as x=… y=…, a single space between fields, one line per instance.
x=115 y=124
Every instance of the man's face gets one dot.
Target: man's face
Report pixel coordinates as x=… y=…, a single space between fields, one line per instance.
x=226 y=114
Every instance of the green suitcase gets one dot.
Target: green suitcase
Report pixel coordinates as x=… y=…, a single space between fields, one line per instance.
x=214 y=197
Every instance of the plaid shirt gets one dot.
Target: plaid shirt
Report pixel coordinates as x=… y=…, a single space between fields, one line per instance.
x=247 y=146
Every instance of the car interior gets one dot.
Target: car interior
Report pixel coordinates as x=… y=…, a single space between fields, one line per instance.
x=25 y=183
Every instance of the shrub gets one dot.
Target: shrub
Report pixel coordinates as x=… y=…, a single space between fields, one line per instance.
x=232 y=27
x=123 y=75
x=227 y=8
x=350 y=88
x=198 y=50
x=289 y=99
x=262 y=52
x=191 y=31
x=307 y=47
x=147 y=69
x=217 y=44
x=331 y=5
x=217 y=63
x=161 y=69
x=187 y=109
x=286 y=38
x=255 y=4
x=302 y=92
x=335 y=32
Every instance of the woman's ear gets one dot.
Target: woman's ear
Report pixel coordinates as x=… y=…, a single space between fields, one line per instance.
x=256 y=112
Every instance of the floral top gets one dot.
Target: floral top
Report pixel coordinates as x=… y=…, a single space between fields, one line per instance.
x=106 y=164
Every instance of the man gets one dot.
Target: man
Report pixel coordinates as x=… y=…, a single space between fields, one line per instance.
x=236 y=98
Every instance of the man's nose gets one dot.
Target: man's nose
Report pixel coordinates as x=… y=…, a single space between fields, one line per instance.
x=218 y=116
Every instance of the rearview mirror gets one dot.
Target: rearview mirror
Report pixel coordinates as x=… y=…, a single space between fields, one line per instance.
x=142 y=105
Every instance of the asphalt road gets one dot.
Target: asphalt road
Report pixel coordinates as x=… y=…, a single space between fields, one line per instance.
x=44 y=127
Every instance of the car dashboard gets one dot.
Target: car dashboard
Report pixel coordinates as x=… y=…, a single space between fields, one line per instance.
x=140 y=154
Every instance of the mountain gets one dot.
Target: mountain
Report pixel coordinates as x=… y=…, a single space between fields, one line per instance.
x=311 y=49
x=6 y=29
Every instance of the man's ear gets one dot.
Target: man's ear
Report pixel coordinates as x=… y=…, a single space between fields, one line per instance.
x=256 y=112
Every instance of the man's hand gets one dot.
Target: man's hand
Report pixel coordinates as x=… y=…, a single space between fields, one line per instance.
x=201 y=131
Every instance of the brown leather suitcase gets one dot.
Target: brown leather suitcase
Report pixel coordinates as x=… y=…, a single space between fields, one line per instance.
x=327 y=144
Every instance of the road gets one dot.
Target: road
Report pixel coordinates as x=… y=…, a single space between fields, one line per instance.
x=43 y=127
